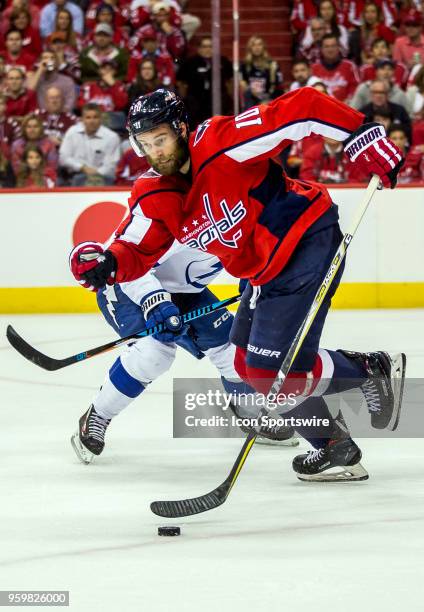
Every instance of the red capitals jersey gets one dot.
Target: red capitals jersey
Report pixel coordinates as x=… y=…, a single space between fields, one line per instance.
x=341 y=79
x=237 y=204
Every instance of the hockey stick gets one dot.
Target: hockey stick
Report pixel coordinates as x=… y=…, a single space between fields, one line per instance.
x=51 y=364
x=188 y=507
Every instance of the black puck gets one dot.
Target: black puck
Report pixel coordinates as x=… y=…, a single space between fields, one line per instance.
x=169 y=531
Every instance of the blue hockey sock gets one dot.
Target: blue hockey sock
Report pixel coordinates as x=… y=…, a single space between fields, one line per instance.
x=348 y=374
x=314 y=410
x=117 y=392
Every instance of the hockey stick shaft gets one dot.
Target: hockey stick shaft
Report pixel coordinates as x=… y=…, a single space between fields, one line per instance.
x=220 y=494
x=51 y=364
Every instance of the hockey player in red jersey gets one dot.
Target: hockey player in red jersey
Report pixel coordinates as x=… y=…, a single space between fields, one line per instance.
x=219 y=191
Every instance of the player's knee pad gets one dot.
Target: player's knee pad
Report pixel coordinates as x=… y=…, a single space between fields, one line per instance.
x=123 y=381
x=147 y=359
x=222 y=358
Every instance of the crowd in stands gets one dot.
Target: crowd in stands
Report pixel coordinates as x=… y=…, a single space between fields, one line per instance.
x=69 y=71
x=370 y=55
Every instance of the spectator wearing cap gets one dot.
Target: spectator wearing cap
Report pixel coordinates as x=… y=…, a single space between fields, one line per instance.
x=14 y=54
x=409 y=49
x=194 y=78
x=413 y=167
x=105 y=13
x=141 y=12
x=379 y=92
x=302 y=75
x=19 y=100
x=33 y=133
x=146 y=80
x=56 y=121
x=20 y=19
x=121 y=11
x=64 y=25
x=109 y=94
x=100 y=51
x=339 y=75
x=67 y=58
x=310 y=45
x=170 y=37
x=10 y=129
x=385 y=71
x=90 y=151
x=49 y=12
x=46 y=76
x=144 y=46
x=380 y=50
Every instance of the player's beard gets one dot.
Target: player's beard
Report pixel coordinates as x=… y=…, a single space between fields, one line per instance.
x=173 y=163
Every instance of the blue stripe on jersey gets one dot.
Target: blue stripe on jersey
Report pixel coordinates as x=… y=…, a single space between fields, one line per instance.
x=282 y=208
x=125 y=383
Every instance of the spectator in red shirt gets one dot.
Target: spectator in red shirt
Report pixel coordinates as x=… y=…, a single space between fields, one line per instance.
x=33 y=133
x=64 y=24
x=67 y=58
x=120 y=8
x=339 y=75
x=353 y=10
x=409 y=49
x=108 y=93
x=105 y=13
x=325 y=162
x=20 y=19
x=10 y=130
x=33 y=170
x=146 y=81
x=305 y=10
x=380 y=50
x=170 y=37
x=418 y=129
x=34 y=12
x=47 y=75
x=19 y=100
x=413 y=168
x=56 y=121
x=14 y=54
x=149 y=49
x=372 y=27
x=129 y=168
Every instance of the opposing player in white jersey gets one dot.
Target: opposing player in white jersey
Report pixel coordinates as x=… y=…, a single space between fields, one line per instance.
x=177 y=282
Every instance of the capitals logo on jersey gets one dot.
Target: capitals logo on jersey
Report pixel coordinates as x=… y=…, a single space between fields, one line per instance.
x=215 y=229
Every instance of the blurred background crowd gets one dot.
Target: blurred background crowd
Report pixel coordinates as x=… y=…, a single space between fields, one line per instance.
x=70 y=69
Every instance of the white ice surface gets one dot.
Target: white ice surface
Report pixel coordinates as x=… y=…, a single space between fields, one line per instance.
x=276 y=544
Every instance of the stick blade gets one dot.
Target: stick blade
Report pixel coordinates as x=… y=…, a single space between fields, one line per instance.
x=188 y=507
x=31 y=353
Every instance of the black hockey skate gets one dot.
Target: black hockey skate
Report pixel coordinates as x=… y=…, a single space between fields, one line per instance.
x=339 y=461
x=89 y=440
x=383 y=389
x=277 y=435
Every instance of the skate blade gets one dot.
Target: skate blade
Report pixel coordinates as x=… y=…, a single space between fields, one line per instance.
x=398 y=377
x=290 y=442
x=83 y=454
x=349 y=473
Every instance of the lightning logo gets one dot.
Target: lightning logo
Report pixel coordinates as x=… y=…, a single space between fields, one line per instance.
x=110 y=296
x=195 y=277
